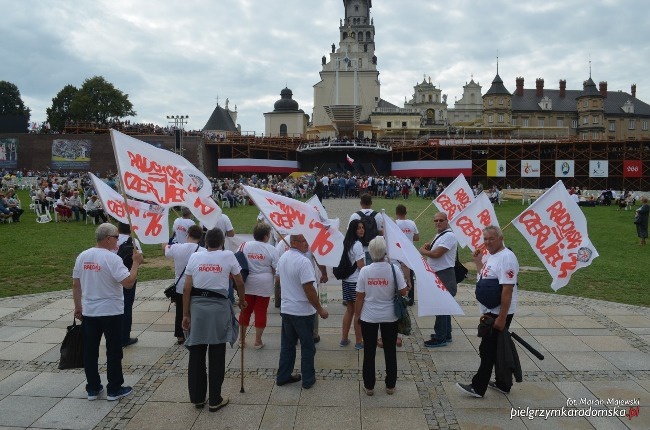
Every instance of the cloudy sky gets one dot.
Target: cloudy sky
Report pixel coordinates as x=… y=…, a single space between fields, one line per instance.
x=179 y=57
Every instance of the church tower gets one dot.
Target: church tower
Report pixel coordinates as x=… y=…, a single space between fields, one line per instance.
x=348 y=91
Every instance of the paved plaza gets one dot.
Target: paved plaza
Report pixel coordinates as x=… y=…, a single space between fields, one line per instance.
x=593 y=350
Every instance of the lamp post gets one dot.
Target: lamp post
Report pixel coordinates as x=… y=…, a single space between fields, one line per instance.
x=179 y=122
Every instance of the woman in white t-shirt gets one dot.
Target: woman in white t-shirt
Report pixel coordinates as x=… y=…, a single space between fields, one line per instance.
x=259 y=286
x=352 y=246
x=374 y=307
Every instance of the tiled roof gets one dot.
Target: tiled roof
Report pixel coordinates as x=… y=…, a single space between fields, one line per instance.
x=614 y=102
x=497 y=87
x=220 y=120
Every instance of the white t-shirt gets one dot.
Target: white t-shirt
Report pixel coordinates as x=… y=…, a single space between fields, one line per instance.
x=378 y=284
x=211 y=270
x=224 y=224
x=181 y=253
x=408 y=227
x=446 y=239
x=355 y=254
x=378 y=218
x=180 y=229
x=100 y=273
x=294 y=270
x=262 y=263
x=502 y=266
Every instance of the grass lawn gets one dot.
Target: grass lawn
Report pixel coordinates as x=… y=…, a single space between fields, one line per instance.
x=39 y=257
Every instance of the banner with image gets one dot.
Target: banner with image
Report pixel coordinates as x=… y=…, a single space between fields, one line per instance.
x=496 y=168
x=9 y=153
x=71 y=154
x=632 y=168
x=564 y=168
x=598 y=168
x=530 y=168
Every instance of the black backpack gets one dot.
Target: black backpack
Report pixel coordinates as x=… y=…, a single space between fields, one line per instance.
x=369 y=226
x=345 y=269
x=125 y=251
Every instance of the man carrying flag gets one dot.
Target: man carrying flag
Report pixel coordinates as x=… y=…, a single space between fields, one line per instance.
x=496 y=292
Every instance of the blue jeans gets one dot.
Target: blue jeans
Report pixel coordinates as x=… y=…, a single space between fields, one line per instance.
x=111 y=328
x=294 y=328
x=129 y=298
x=442 y=327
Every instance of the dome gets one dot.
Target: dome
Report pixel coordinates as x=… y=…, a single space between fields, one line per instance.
x=286 y=101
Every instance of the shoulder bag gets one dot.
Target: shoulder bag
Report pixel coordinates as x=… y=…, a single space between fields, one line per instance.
x=401 y=308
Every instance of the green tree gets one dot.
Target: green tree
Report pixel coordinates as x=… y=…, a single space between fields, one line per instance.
x=10 y=101
x=99 y=101
x=59 y=113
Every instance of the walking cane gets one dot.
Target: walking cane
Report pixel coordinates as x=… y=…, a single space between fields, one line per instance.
x=243 y=343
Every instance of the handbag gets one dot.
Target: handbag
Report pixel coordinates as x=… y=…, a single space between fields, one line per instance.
x=401 y=309
x=460 y=270
x=72 y=347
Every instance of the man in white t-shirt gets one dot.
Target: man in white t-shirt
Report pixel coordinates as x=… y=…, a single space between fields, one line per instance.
x=410 y=230
x=97 y=280
x=502 y=267
x=441 y=257
x=181 y=225
x=366 y=207
x=299 y=304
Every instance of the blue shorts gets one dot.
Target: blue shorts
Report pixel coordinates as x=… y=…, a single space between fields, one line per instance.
x=349 y=291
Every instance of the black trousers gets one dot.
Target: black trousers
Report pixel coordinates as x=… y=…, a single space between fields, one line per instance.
x=197 y=379
x=178 y=329
x=389 y=337
x=488 y=352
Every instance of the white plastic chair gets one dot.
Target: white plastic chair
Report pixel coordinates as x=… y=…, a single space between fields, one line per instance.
x=41 y=217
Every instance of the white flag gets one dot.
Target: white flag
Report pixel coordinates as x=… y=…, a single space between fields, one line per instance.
x=158 y=175
x=468 y=225
x=455 y=197
x=556 y=228
x=296 y=217
x=433 y=297
x=313 y=201
x=150 y=222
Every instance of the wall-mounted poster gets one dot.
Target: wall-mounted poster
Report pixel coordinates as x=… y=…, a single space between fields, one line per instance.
x=564 y=168
x=632 y=168
x=71 y=154
x=496 y=168
x=9 y=153
x=598 y=168
x=530 y=168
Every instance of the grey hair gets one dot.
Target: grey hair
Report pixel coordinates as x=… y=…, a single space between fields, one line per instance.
x=104 y=230
x=495 y=229
x=377 y=248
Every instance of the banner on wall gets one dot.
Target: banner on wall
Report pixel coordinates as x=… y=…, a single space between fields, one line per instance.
x=632 y=168
x=9 y=153
x=71 y=154
x=496 y=168
x=564 y=168
x=530 y=168
x=598 y=168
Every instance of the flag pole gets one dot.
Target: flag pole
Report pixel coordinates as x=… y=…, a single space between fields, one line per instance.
x=423 y=211
x=123 y=192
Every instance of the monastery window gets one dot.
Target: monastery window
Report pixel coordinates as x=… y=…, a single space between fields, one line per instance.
x=585 y=103
x=490 y=102
x=283 y=129
x=490 y=119
x=632 y=124
x=430 y=98
x=403 y=124
x=585 y=136
x=596 y=136
x=514 y=121
x=612 y=126
x=368 y=36
x=574 y=123
x=360 y=37
x=500 y=117
x=540 y=122
x=585 y=120
x=389 y=124
x=644 y=126
x=501 y=102
x=560 y=122
x=594 y=103
x=525 y=122
x=595 y=120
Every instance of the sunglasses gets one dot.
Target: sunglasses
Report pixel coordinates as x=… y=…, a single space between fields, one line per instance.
x=439 y=220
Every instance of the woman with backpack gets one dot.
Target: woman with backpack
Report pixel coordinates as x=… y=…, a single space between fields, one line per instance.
x=353 y=249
